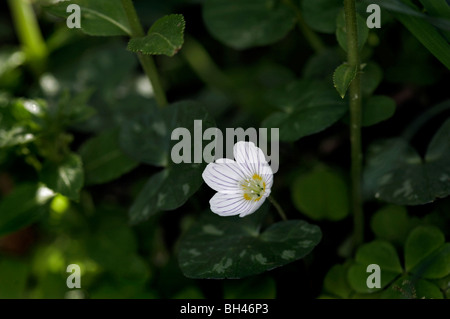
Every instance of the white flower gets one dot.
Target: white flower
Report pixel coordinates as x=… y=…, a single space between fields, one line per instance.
x=242 y=185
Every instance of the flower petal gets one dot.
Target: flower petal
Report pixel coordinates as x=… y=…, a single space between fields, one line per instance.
x=223 y=176
x=252 y=161
x=233 y=204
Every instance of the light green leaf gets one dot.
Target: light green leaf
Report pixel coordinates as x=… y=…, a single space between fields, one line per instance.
x=377 y=252
x=342 y=77
x=172 y=187
x=391 y=223
x=409 y=287
x=234 y=247
x=98 y=17
x=321 y=194
x=22 y=207
x=309 y=107
x=336 y=283
x=166 y=36
x=65 y=177
x=243 y=24
x=422 y=242
x=321 y=15
x=103 y=159
x=341 y=33
x=376 y=109
x=396 y=174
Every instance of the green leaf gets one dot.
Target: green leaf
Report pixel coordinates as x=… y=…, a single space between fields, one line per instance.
x=421 y=243
x=103 y=159
x=22 y=207
x=146 y=138
x=391 y=223
x=377 y=252
x=371 y=76
x=342 y=77
x=321 y=194
x=322 y=64
x=13 y=278
x=166 y=36
x=98 y=17
x=234 y=247
x=309 y=107
x=65 y=177
x=341 y=33
x=436 y=265
x=336 y=283
x=242 y=24
x=172 y=187
x=397 y=174
x=376 y=109
x=321 y=15
x=408 y=287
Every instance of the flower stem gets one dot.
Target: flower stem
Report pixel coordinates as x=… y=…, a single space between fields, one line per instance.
x=146 y=61
x=278 y=207
x=29 y=34
x=355 y=121
x=313 y=39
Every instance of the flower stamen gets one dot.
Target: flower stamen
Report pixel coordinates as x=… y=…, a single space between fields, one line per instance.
x=254 y=188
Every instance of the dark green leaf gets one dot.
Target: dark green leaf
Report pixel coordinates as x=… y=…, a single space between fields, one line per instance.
x=321 y=194
x=103 y=159
x=65 y=177
x=376 y=109
x=98 y=17
x=309 y=107
x=22 y=207
x=371 y=76
x=171 y=188
x=397 y=174
x=336 y=283
x=234 y=247
x=243 y=24
x=342 y=77
x=251 y=288
x=341 y=33
x=13 y=278
x=321 y=15
x=166 y=36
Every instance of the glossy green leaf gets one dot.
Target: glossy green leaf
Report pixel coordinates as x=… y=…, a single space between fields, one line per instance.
x=342 y=77
x=243 y=24
x=408 y=287
x=422 y=242
x=336 y=283
x=98 y=17
x=172 y=187
x=321 y=15
x=103 y=159
x=341 y=34
x=321 y=194
x=391 y=223
x=22 y=207
x=234 y=247
x=376 y=109
x=166 y=36
x=308 y=107
x=66 y=177
x=397 y=174
x=377 y=252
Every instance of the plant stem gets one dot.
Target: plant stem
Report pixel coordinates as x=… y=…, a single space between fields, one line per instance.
x=29 y=34
x=146 y=61
x=313 y=39
x=355 y=121
x=278 y=207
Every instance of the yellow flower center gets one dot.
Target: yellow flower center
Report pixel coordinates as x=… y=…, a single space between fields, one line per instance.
x=254 y=188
